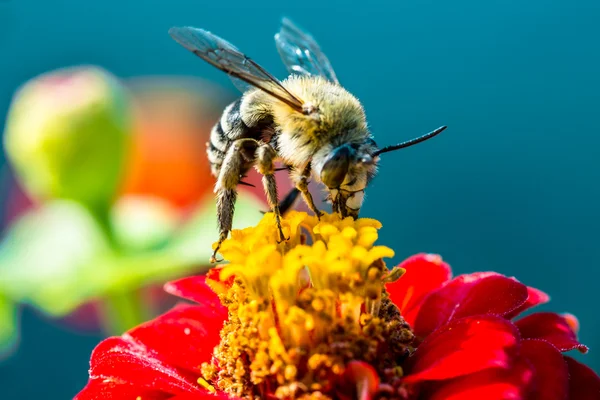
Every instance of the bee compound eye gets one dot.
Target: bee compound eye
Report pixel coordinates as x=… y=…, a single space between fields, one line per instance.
x=336 y=167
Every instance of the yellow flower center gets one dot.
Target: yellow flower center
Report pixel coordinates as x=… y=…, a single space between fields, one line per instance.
x=301 y=309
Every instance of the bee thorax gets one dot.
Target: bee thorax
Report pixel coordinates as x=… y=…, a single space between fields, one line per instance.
x=296 y=148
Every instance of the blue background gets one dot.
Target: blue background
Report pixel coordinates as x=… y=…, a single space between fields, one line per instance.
x=512 y=186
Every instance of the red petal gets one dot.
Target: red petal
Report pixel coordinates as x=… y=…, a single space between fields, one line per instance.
x=552 y=328
x=467 y=295
x=101 y=390
x=358 y=382
x=464 y=346
x=214 y=275
x=491 y=384
x=535 y=297
x=424 y=274
x=361 y=379
x=584 y=384
x=98 y=389
x=551 y=375
x=202 y=396
x=124 y=361
x=196 y=289
x=572 y=321
x=183 y=337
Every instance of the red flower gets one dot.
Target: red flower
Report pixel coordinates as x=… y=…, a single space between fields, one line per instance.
x=471 y=349
x=467 y=345
x=161 y=358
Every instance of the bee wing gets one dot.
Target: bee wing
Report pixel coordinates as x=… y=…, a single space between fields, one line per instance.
x=241 y=85
x=301 y=54
x=226 y=57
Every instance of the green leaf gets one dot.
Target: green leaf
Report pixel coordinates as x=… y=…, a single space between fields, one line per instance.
x=143 y=223
x=58 y=257
x=46 y=258
x=187 y=251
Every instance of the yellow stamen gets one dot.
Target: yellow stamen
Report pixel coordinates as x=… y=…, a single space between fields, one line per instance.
x=300 y=310
x=202 y=382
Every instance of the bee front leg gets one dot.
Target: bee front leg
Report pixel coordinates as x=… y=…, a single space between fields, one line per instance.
x=239 y=158
x=265 y=164
x=301 y=182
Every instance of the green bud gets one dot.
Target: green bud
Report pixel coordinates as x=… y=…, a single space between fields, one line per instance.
x=66 y=135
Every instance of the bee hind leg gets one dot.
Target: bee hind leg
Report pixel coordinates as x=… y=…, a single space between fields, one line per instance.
x=239 y=158
x=225 y=208
x=265 y=164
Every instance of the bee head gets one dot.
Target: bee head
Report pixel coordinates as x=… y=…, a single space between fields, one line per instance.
x=347 y=168
x=346 y=171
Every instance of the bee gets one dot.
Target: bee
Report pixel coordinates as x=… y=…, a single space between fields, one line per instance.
x=307 y=121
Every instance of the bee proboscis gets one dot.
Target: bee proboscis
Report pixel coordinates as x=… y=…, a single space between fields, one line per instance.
x=307 y=121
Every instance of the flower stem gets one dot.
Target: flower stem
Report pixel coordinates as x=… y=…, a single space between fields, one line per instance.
x=101 y=215
x=120 y=310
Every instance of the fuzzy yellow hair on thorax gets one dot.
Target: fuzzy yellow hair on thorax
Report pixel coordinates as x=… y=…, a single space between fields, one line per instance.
x=338 y=111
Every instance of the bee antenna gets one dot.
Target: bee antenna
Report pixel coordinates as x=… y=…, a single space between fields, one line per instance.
x=410 y=142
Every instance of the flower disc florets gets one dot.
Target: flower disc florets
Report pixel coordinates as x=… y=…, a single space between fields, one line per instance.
x=301 y=310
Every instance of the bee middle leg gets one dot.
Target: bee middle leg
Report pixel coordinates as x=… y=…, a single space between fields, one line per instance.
x=265 y=164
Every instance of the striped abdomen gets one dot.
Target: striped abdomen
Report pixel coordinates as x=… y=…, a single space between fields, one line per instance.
x=228 y=129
